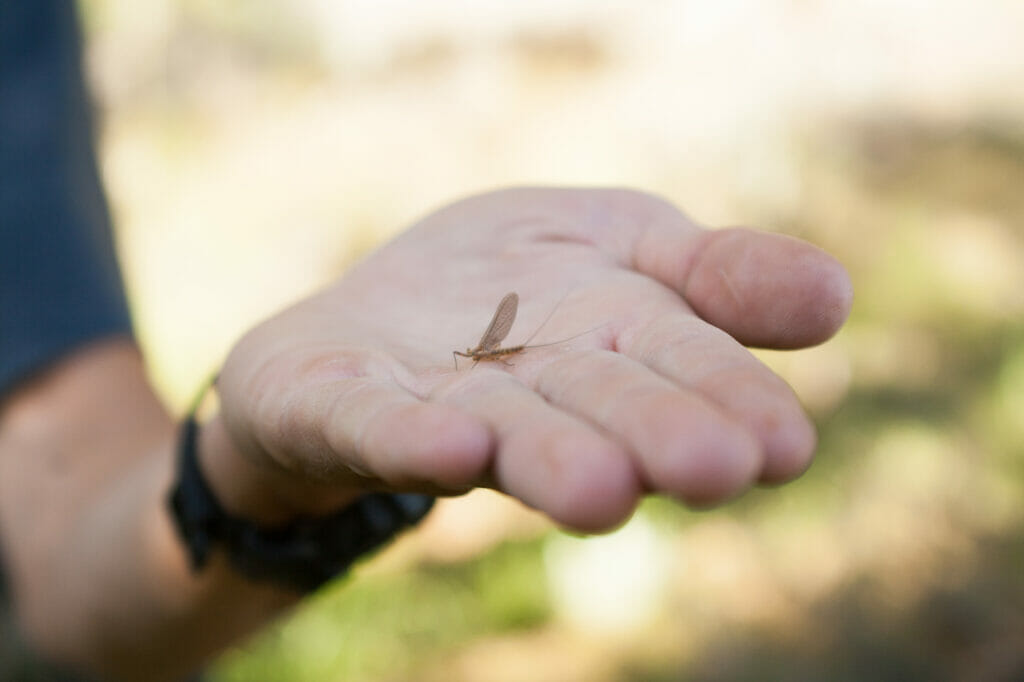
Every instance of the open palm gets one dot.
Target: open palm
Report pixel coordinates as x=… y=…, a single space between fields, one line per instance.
x=641 y=384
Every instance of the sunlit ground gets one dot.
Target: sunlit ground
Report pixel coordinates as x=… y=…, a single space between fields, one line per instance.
x=254 y=150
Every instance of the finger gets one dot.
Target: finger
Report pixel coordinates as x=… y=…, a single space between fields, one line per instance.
x=552 y=461
x=764 y=289
x=768 y=290
x=683 y=444
x=404 y=441
x=373 y=428
x=694 y=354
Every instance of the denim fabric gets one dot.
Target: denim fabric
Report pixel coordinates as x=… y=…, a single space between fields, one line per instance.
x=59 y=282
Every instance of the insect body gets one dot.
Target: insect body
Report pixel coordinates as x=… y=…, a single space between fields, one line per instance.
x=489 y=346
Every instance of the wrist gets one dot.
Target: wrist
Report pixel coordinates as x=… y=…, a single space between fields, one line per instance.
x=302 y=553
x=262 y=491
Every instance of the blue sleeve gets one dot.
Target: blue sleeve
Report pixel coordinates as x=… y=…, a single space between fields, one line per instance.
x=59 y=281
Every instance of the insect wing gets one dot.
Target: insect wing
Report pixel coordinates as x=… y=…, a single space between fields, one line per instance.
x=501 y=323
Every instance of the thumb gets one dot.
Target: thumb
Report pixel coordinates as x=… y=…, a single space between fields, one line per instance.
x=766 y=290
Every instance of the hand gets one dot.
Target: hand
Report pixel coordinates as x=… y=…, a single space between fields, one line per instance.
x=355 y=389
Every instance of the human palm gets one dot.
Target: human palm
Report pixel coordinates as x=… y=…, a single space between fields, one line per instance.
x=641 y=383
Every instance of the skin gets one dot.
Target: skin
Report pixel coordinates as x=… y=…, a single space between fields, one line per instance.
x=353 y=390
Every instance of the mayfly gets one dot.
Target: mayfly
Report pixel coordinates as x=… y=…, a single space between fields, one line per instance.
x=489 y=347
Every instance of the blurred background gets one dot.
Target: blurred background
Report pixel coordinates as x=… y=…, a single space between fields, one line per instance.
x=253 y=150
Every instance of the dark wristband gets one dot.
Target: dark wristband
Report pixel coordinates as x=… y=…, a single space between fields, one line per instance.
x=302 y=555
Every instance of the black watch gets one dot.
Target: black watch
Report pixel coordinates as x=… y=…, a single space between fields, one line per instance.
x=302 y=555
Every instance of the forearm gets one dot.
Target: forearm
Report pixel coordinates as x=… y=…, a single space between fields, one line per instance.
x=98 y=573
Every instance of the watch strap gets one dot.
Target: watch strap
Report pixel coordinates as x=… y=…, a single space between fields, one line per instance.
x=303 y=554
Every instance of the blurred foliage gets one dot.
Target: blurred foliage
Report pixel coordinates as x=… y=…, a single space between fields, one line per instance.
x=391 y=623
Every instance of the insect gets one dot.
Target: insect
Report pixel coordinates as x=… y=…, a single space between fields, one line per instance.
x=489 y=347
